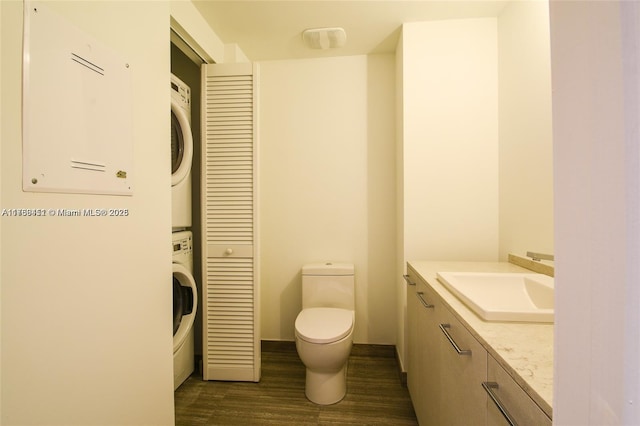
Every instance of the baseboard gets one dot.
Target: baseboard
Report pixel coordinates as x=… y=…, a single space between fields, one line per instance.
x=376 y=351
x=359 y=349
x=277 y=345
x=402 y=374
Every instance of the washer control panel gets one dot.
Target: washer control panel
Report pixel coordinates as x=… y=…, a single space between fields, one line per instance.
x=182 y=244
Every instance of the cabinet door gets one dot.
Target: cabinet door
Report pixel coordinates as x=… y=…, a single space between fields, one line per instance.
x=430 y=366
x=509 y=403
x=412 y=338
x=463 y=369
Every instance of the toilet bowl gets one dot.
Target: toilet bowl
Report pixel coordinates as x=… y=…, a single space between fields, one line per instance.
x=324 y=337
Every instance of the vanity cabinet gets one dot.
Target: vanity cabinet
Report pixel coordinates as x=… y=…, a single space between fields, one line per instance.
x=452 y=378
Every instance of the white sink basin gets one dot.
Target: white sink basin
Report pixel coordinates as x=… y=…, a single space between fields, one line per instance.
x=519 y=297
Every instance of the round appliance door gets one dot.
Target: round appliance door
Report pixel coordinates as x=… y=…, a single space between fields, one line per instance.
x=185 y=303
x=181 y=144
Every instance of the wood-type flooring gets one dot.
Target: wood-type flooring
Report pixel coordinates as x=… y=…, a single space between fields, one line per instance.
x=375 y=395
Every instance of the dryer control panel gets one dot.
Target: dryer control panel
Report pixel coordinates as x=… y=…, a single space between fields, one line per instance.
x=181 y=93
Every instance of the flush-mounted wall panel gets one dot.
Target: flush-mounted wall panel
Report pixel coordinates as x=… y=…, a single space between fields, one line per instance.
x=77 y=117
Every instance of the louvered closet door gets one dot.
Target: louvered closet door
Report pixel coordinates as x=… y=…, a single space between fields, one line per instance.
x=230 y=294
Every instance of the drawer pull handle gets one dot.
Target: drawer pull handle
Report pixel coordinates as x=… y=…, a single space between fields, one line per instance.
x=489 y=387
x=443 y=328
x=424 y=302
x=406 y=278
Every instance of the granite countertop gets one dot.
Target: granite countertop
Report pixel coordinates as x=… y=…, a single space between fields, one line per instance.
x=524 y=350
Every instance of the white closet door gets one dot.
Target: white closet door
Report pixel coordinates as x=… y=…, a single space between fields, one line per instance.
x=230 y=292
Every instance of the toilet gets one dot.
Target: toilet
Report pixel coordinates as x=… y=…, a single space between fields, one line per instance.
x=324 y=329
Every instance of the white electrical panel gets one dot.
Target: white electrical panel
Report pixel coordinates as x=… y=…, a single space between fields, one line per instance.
x=77 y=110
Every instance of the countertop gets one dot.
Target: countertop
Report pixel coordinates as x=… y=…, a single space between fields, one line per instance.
x=524 y=350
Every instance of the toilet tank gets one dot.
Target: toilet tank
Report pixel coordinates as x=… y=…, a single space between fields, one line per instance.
x=329 y=285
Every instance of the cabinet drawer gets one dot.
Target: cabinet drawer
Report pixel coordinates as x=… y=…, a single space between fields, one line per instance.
x=512 y=398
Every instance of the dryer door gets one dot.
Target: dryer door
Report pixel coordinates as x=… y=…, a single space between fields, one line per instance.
x=181 y=143
x=185 y=303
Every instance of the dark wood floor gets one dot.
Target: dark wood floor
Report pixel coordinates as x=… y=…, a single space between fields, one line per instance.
x=375 y=395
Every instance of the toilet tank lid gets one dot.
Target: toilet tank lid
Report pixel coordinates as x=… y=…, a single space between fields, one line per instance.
x=328 y=268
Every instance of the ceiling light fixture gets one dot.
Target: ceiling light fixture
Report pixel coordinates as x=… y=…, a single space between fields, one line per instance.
x=324 y=38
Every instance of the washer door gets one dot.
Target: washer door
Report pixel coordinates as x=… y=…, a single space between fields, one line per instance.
x=185 y=304
x=181 y=144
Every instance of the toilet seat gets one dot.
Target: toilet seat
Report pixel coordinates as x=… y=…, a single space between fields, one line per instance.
x=324 y=325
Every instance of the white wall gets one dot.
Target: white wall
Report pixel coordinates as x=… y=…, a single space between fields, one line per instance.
x=86 y=333
x=596 y=97
x=526 y=158
x=449 y=143
x=450 y=140
x=327 y=190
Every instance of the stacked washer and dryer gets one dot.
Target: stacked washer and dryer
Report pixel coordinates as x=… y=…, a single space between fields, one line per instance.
x=185 y=294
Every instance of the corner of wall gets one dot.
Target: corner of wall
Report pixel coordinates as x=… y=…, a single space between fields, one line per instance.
x=234 y=54
x=1 y=233
x=189 y=24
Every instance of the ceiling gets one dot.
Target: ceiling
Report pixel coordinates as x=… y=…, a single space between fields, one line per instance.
x=272 y=30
